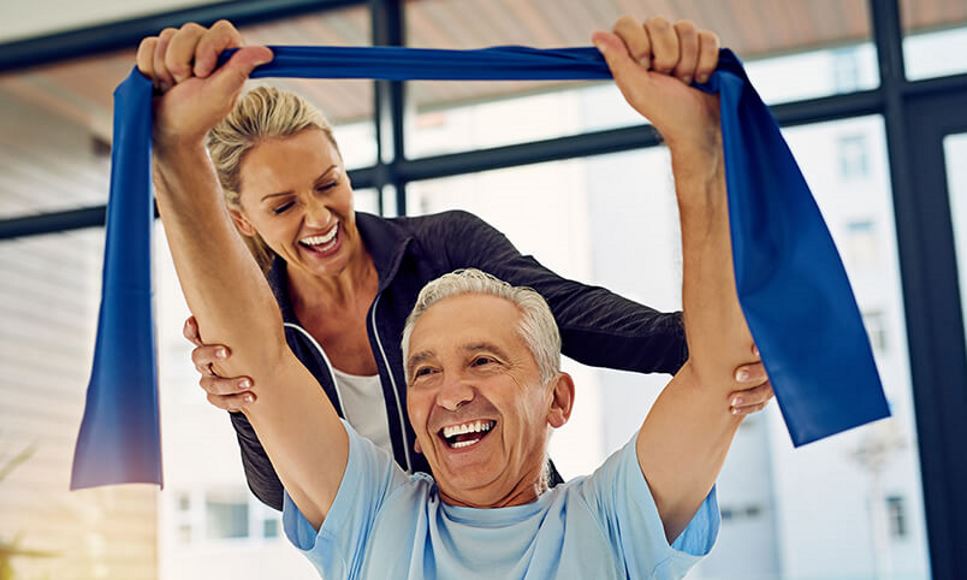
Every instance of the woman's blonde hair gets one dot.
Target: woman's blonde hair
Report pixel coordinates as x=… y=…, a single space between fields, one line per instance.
x=263 y=113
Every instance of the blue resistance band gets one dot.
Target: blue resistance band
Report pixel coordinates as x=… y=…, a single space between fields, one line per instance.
x=791 y=282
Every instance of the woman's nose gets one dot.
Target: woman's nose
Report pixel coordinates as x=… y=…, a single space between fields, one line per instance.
x=318 y=214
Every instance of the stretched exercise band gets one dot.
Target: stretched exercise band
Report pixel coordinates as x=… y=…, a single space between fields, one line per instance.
x=791 y=282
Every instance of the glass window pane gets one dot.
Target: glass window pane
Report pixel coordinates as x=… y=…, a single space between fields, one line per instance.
x=935 y=37
x=955 y=156
x=49 y=162
x=270 y=528
x=794 y=50
x=226 y=515
x=818 y=512
x=846 y=481
x=348 y=104
x=55 y=120
x=366 y=200
x=49 y=295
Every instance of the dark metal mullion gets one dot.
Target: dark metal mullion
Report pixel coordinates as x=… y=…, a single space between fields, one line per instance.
x=126 y=34
x=913 y=226
x=388 y=29
x=53 y=222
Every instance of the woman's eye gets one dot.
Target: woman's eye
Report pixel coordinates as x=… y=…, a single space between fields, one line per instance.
x=482 y=360
x=280 y=209
x=422 y=372
x=323 y=187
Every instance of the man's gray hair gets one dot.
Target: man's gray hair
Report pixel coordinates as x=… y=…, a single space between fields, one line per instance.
x=536 y=327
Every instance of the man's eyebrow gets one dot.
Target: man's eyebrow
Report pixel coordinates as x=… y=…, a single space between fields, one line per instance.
x=488 y=346
x=289 y=192
x=416 y=359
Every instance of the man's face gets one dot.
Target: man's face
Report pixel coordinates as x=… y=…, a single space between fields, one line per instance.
x=476 y=401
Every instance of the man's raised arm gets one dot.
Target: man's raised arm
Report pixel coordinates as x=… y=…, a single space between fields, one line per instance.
x=222 y=283
x=686 y=436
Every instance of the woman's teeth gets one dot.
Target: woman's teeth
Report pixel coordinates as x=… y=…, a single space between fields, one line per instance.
x=323 y=242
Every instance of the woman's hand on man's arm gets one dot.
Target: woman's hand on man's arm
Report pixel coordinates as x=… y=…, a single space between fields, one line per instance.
x=229 y=394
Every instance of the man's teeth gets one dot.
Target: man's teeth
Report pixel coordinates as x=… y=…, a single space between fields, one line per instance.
x=319 y=240
x=474 y=427
x=466 y=434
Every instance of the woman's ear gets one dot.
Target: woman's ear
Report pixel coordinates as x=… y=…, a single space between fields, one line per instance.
x=241 y=222
x=562 y=400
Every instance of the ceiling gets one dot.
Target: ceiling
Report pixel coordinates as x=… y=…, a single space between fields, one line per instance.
x=80 y=90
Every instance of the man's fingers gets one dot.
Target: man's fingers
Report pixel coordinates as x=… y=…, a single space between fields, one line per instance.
x=232 y=403
x=145 y=57
x=219 y=386
x=162 y=75
x=688 y=51
x=751 y=397
x=222 y=36
x=181 y=51
x=230 y=77
x=631 y=31
x=206 y=355
x=623 y=67
x=708 y=55
x=664 y=44
x=751 y=374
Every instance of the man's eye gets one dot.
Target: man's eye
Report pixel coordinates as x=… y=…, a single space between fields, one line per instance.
x=482 y=360
x=280 y=209
x=422 y=372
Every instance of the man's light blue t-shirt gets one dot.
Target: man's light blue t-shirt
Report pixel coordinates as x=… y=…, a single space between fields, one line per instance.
x=386 y=524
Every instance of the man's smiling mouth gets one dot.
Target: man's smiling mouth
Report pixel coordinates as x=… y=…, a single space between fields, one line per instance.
x=466 y=434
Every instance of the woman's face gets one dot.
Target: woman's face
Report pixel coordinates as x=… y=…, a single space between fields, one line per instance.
x=295 y=194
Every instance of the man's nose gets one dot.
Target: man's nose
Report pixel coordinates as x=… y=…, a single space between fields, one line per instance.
x=454 y=393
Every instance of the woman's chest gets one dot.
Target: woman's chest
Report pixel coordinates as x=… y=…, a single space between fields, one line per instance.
x=345 y=339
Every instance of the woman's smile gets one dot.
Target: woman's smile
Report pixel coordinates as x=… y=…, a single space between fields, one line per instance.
x=322 y=246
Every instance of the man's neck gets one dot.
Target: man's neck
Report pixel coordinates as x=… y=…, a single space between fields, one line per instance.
x=527 y=490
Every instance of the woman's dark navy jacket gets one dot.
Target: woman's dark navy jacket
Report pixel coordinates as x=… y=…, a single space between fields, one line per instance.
x=598 y=328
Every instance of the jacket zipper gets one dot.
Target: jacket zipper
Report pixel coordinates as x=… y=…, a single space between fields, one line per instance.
x=392 y=379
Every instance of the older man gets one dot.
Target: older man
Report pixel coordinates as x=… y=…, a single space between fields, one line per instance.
x=484 y=386
x=485 y=392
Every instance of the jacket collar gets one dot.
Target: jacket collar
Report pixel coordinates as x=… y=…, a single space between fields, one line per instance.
x=385 y=240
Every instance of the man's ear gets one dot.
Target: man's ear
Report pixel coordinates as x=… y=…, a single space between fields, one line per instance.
x=562 y=400
x=241 y=222
x=416 y=447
